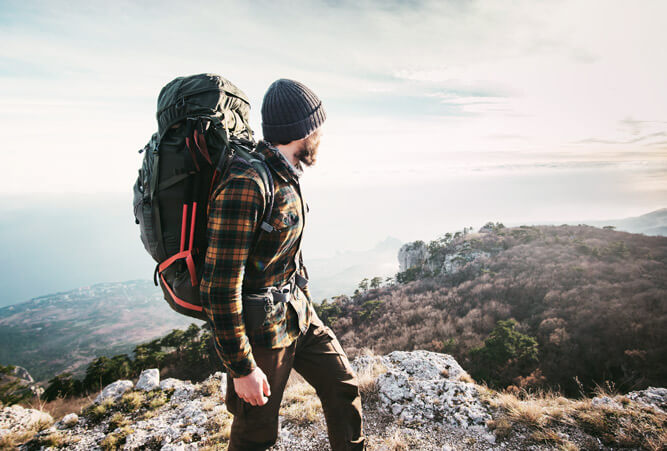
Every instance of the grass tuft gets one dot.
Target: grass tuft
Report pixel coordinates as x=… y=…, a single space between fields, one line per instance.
x=300 y=404
x=116 y=440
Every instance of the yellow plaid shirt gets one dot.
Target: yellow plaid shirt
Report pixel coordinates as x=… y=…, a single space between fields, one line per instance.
x=235 y=212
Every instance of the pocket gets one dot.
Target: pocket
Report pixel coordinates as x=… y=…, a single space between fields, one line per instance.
x=284 y=219
x=255 y=315
x=254 y=311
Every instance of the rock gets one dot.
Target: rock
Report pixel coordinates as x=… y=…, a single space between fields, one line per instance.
x=22 y=373
x=114 y=390
x=170 y=383
x=184 y=392
x=68 y=421
x=606 y=401
x=425 y=386
x=149 y=380
x=411 y=255
x=653 y=396
x=16 y=418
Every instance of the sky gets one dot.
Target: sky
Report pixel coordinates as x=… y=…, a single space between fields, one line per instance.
x=440 y=114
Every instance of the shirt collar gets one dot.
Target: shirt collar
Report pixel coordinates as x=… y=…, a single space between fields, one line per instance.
x=278 y=162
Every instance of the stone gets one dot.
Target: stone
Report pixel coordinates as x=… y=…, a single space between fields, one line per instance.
x=68 y=421
x=606 y=401
x=149 y=380
x=170 y=383
x=184 y=392
x=114 y=390
x=655 y=397
x=16 y=418
x=425 y=386
x=22 y=373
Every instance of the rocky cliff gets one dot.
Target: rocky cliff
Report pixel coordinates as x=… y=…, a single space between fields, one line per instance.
x=411 y=400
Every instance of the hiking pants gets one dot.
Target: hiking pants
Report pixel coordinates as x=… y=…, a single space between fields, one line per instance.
x=319 y=358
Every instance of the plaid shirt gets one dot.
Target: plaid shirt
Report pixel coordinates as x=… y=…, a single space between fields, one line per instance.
x=235 y=211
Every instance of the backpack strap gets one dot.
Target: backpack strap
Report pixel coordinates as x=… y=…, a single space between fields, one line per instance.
x=257 y=161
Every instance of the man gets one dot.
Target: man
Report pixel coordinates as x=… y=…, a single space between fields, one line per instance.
x=240 y=265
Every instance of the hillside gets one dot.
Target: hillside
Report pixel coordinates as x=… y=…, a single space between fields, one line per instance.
x=567 y=307
x=415 y=400
x=65 y=331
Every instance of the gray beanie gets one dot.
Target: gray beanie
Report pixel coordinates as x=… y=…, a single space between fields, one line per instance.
x=290 y=111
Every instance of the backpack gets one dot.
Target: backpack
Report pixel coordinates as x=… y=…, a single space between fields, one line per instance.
x=202 y=126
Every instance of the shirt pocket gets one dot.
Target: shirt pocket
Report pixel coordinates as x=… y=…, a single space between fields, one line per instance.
x=285 y=219
x=286 y=230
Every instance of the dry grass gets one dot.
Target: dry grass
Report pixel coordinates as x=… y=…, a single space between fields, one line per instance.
x=55 y=439
x=115 y=440
x=211 y=387
x=12 y=440
x=465 y=377
x=544 y=412
x=117 y=420
x=367 y=378
x=395 y=442
x=155 y=400
x=218 y=427
x=132 y=401
x=97 y=412
x=300 y=404
x=60 y=407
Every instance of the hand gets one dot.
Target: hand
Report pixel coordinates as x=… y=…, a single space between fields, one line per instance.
x=252 y=387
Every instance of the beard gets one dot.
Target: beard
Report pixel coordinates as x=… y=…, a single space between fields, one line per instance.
x=307 y=154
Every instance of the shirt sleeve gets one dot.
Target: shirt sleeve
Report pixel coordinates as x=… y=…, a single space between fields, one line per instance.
x=233 y=218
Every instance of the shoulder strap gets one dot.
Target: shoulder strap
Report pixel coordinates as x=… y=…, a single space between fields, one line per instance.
x=256 y=160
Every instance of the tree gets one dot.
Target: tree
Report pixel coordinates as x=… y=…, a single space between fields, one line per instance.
x=64 y=386
x=506 y=354
x=363 y=285
x=376 y=282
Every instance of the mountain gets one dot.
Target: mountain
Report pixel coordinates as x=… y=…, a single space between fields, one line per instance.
x=65 y=331
x=559 y=306
x=341 y=273
x=653 y=223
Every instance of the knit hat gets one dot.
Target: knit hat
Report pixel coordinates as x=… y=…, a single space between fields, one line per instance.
x=290 y=111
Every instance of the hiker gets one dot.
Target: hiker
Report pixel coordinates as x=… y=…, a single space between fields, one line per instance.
x=254 y=287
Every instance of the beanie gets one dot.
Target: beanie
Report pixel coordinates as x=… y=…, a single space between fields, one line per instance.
x=290 y=111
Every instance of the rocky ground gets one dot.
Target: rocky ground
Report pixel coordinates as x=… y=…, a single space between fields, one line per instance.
x=415 y=400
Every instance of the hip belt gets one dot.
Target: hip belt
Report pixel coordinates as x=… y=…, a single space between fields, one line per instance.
x=257 y=304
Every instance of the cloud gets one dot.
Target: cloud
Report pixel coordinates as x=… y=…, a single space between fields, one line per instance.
x=437 y=77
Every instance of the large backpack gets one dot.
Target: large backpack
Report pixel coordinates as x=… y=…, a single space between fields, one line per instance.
x=202 y=126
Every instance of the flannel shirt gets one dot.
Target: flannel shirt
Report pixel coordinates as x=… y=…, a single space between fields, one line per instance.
x=235 y=212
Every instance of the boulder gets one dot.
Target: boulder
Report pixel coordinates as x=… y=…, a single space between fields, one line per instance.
x=16 y=418
x=149 y=380
x=655 y=397
x=68 y=421
x=422 y=386
x=114 y=390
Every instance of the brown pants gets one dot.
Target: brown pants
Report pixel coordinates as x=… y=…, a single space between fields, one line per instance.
x=319 y=358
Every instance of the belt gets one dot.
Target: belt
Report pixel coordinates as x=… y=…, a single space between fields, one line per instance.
x=273 y=295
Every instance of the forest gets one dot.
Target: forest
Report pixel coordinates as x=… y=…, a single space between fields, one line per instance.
x=564 y=307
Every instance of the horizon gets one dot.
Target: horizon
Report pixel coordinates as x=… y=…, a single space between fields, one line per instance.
x=388 y=238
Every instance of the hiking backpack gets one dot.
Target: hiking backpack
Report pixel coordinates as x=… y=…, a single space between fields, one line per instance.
x=202 y=126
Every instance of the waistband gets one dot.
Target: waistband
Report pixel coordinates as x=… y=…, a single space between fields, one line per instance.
x=277 y=294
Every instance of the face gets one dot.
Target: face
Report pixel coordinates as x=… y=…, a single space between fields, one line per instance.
x=307 y=154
